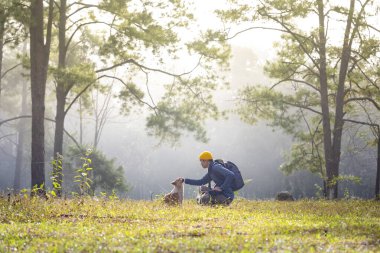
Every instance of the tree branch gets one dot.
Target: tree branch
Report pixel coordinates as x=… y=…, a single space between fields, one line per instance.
x=252 y=28
x=367 y=77
x=74 y=23
x=364 y=99
x=136 y=97
x=302 y=106
x=313 y=142
x=97 y=6
x=295 y=80
x=49 y=31
x=296 y=36
x=287 y=103
x=147 y=68
x=79 y=9
x=47 y=119
x=362 y=123
x=77 y=29
x=72 y=4
x=374 y=28
x=6 y=136
x=148 y=90
x=80 y=94
x=356 y=27
x=10 y=69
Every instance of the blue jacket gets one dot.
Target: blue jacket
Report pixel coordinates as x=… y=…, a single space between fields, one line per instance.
x=220 y=175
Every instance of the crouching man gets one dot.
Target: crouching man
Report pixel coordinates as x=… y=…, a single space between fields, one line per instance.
x=222 y=177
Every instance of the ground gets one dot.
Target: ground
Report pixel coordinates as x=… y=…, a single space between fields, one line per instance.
x=103 y=225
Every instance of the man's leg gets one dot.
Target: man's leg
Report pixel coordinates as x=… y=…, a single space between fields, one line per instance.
x=220 y=199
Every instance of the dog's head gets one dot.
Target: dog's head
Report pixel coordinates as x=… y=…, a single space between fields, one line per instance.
x=178 y=182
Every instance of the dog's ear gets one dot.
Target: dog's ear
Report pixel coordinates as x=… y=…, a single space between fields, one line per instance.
x=173 y=183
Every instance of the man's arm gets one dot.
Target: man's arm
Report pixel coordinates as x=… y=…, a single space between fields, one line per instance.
x=202 y=181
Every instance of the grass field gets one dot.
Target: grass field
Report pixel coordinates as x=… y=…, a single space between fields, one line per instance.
x=103 y=225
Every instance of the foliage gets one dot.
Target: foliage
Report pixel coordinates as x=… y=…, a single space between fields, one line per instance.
x=83 y=177
x=147 y=36
x=183 y=110
x=76 y=76
x=142 y=35
x=55 y=174
x=274 y=106
x=350 y=178
x=319 y=81
x=13 y=16
x=104 y=175
x=28 y=225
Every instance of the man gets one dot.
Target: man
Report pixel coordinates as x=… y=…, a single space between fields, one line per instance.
x=223 y=178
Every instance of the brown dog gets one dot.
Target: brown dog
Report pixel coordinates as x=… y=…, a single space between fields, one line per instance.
x=175 y=197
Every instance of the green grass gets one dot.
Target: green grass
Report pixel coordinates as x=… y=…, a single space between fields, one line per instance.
x=98 y=225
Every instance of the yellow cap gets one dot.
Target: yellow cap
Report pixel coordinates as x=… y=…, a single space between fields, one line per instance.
x=205 y=155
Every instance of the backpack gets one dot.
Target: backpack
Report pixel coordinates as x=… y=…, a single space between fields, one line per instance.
x=238 y=182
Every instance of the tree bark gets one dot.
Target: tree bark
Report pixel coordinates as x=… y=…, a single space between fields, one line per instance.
x=39 y=59
x=60 y=93
x=58 y=136
x=339 y=114
x=324 y=98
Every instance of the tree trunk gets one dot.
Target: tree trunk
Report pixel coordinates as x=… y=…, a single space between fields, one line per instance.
x=58 y=136
x=39 y=59
x=21 y=141
x=339 y=114
x=37 y=74
x=60 y=94
x=324 y=98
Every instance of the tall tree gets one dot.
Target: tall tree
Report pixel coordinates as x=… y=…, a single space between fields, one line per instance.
x=39 y=60
x=137 y=33
x=67 y=75
x=317 y=71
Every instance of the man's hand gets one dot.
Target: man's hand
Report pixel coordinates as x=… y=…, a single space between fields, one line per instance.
x=217 y=188
x=181 y=178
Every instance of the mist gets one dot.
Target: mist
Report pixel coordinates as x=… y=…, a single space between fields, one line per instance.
x=151 y=164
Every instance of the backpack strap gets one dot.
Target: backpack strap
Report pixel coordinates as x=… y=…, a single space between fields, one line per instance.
x=209 y=183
